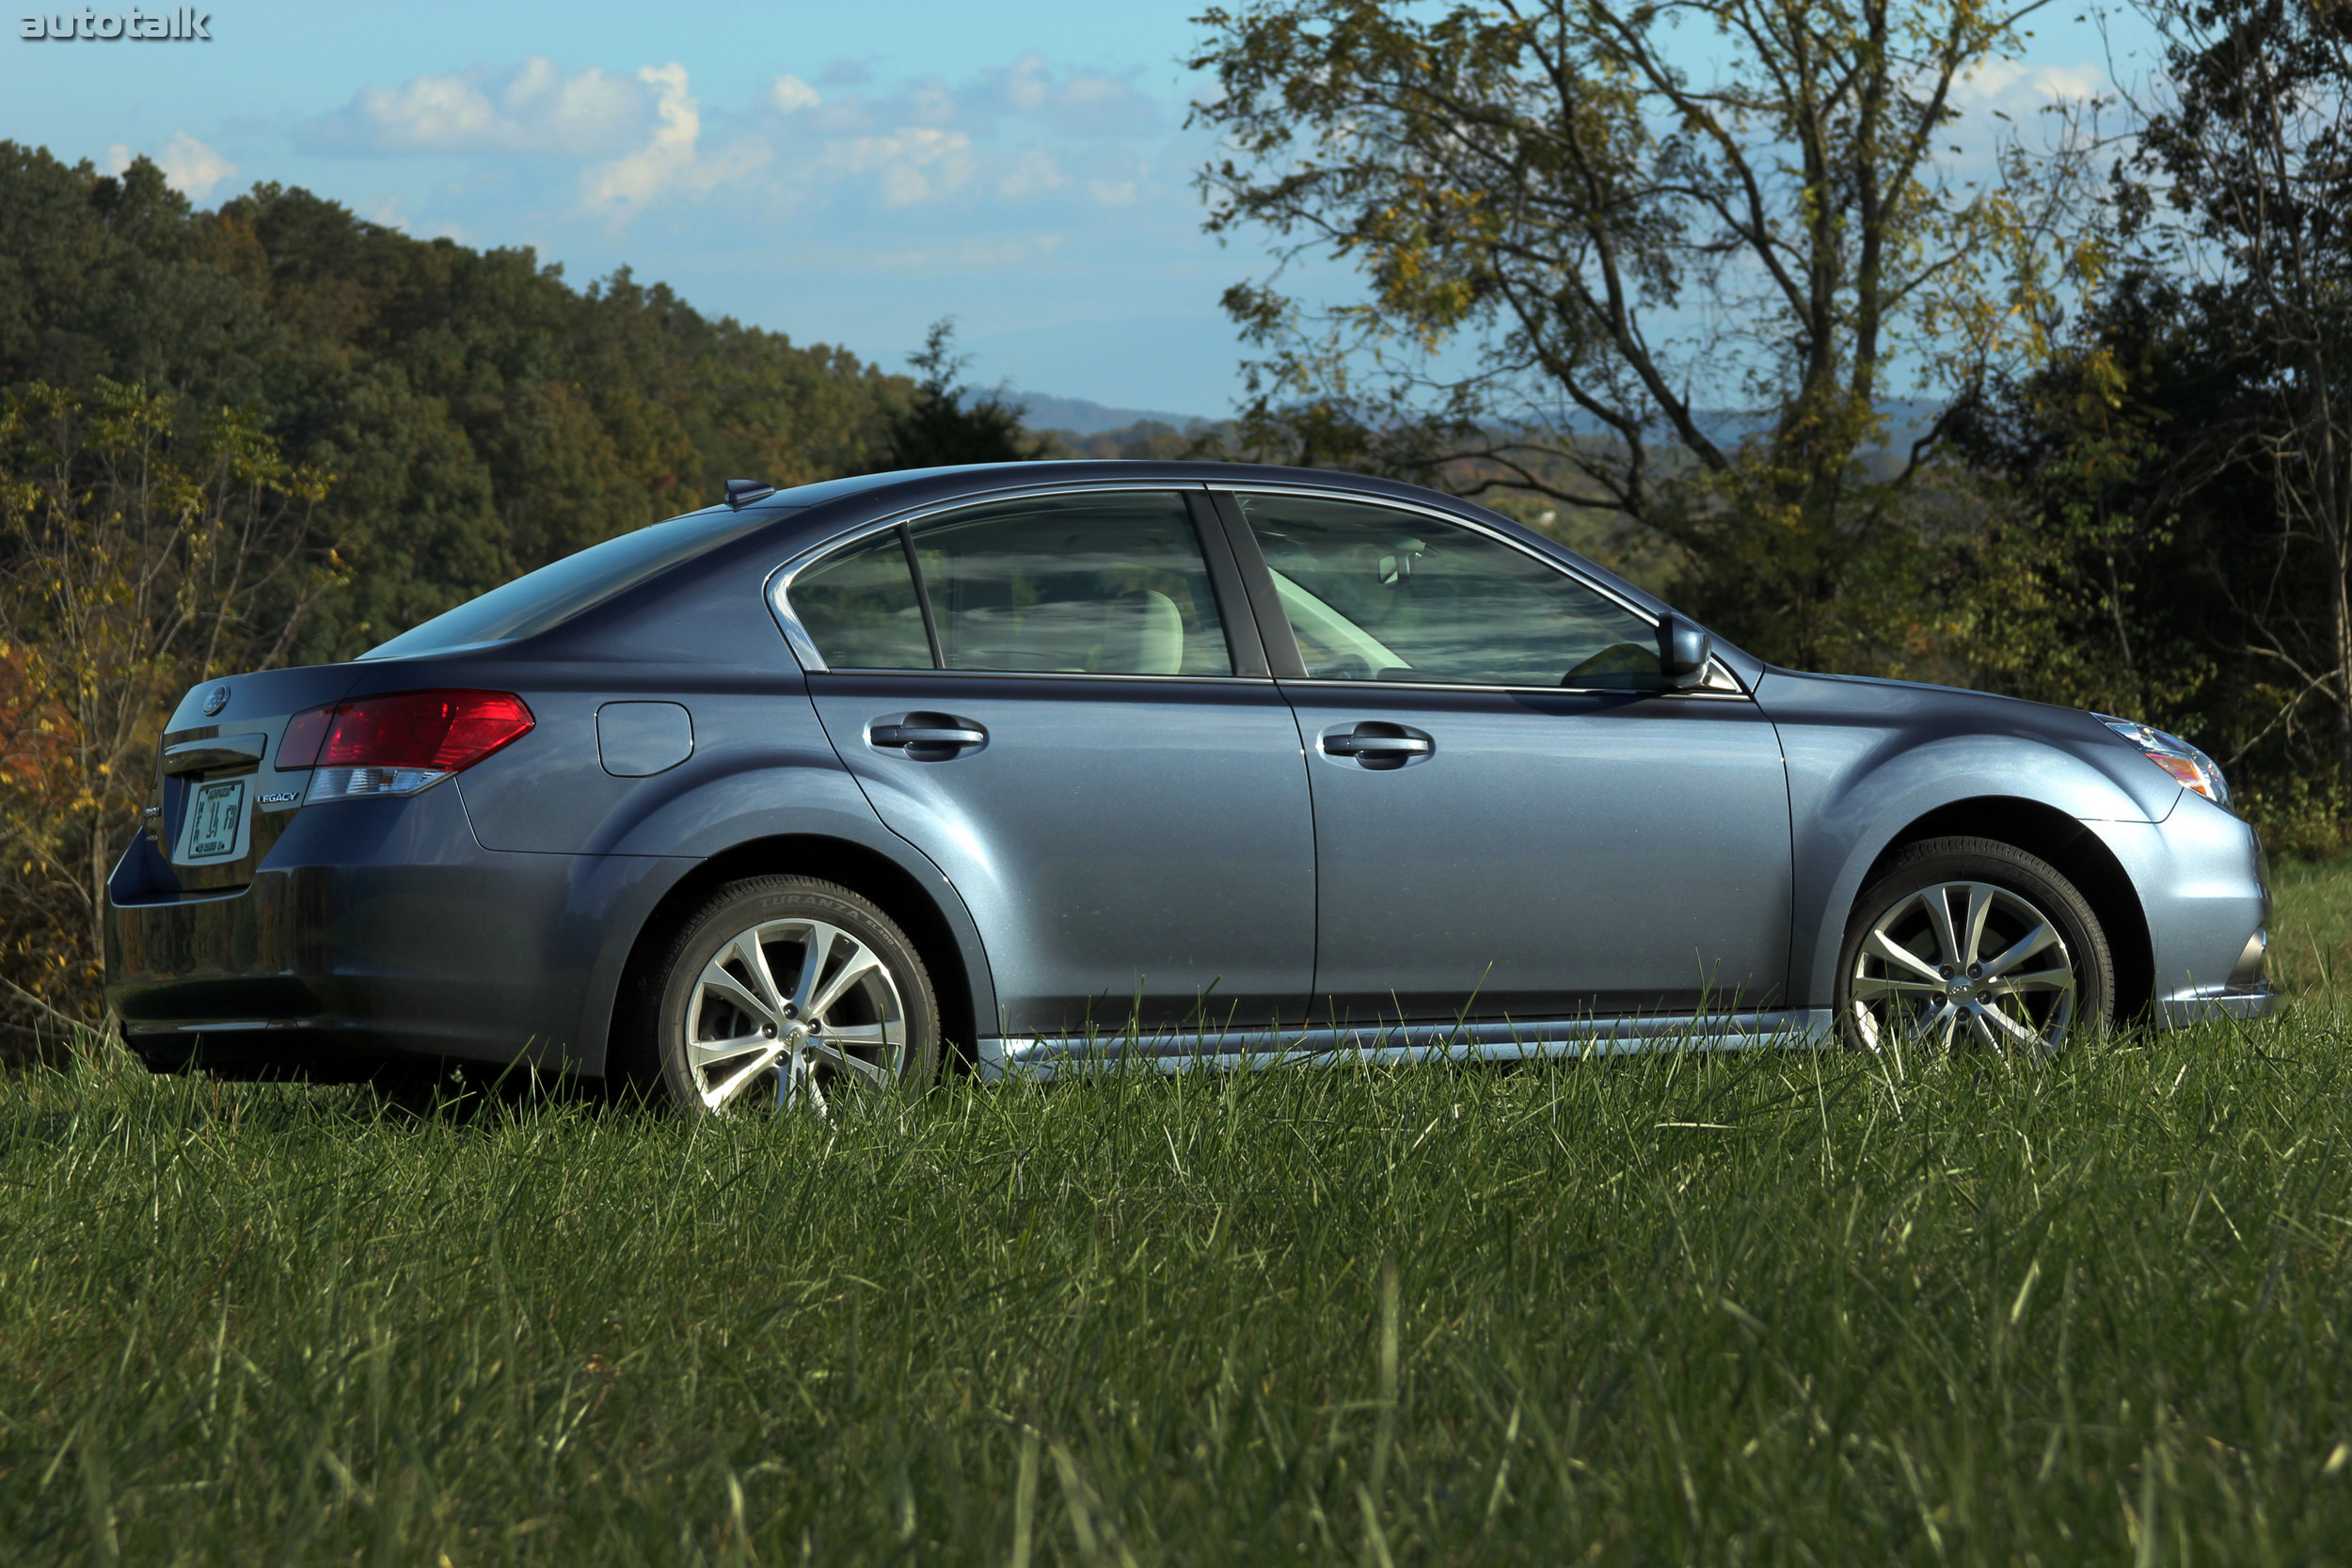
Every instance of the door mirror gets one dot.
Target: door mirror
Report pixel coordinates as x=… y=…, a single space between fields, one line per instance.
x=1683 y=649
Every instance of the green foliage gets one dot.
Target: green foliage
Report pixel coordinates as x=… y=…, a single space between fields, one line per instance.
x=946 y=422
x=1772 y=1306
x=142 y=549
x=478 y=416
x=2158 y=573
x=1692 y=289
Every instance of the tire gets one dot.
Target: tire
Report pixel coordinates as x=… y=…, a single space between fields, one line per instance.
x=2035 y=970
x=728 y=1039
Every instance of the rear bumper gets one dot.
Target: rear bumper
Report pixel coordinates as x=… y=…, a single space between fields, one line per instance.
x=374 y=928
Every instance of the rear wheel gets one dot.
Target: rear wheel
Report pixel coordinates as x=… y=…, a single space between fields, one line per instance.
x=787 y=991
x=1967 y=942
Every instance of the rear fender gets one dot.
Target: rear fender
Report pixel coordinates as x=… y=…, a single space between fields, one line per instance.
x=716 y=816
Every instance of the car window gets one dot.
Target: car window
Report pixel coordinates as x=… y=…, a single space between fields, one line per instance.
x=1376 y=593
x=858 y=606
x=538 y=601
x=1097 y=584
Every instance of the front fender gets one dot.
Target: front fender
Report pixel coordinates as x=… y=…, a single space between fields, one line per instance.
x=1853 y=792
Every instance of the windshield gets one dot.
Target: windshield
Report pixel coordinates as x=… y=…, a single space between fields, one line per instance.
x=557 y=591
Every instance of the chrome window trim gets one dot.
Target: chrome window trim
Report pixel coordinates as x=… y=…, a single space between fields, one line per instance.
x=1734 y=693
x=1715 y=666
x=779 y=585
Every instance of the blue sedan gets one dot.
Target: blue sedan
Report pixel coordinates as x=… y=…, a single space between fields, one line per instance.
x=1028 y=765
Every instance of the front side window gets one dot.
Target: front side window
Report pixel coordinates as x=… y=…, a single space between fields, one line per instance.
x=1092 y=584
x=1376 y=594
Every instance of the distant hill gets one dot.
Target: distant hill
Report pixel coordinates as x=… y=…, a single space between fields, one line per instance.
x=1079 y=417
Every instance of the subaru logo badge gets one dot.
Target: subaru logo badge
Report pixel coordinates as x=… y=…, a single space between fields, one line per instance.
x=216 y=699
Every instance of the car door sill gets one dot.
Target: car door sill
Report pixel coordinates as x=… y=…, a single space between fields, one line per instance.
x=1507 y=1040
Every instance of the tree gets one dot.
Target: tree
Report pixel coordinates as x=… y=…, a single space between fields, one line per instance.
x=136 y=559
x=1598 y=275
x=482 y=415
x=2243 y=175
x=946 y=422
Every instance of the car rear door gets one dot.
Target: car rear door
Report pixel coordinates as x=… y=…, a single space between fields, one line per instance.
x=1513 y=820
x=1051 y=698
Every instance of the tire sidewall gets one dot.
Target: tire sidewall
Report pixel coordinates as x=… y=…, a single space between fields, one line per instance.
x=2035 y=880
x=741 y=906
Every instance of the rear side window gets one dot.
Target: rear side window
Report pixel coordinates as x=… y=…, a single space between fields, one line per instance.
x=1083 y=585
x=1091 y=584
x=860 y=609
x=537 y=601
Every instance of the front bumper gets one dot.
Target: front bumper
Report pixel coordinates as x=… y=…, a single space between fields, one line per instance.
x=373 y=928
x=2200 y=876
x=2260 y=1000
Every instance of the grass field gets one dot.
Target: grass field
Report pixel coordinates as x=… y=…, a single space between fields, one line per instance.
x=1773 y=1306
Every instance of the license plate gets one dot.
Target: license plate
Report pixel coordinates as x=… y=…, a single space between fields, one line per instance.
x=214 y=818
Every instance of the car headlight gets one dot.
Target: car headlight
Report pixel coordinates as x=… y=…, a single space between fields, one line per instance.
x=2176 y=756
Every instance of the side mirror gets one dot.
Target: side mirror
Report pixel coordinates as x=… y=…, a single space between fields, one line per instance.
x=1683 y=650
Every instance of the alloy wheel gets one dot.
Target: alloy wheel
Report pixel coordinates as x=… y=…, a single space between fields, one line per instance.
x=1964 y=962
x=786 y=1006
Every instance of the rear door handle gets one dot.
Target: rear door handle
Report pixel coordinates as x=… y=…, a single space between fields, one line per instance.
x=925 y=737
x=912 y=735
x=1375 y=745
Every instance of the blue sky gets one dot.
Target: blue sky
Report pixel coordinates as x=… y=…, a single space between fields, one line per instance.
x=845 y=173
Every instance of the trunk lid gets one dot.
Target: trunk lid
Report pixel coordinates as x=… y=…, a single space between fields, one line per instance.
x=219 y=800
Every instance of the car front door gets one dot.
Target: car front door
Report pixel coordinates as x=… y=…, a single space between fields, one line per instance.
x=1046 y=697
x=1514 y=818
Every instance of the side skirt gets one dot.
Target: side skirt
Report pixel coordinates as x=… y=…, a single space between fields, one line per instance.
x=1511 y=1040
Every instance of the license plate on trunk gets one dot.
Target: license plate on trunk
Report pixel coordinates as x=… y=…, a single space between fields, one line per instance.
x=214 y=818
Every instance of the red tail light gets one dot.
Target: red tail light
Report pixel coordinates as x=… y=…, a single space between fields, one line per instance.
x=401 y=743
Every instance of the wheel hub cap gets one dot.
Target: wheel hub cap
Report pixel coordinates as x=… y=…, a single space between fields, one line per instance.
x=1964 y=962
x=786 y=1007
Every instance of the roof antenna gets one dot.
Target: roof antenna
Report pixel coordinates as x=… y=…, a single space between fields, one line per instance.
x=743 y=492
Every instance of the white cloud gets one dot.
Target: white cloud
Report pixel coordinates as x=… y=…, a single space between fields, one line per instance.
x=535 y=109
x=2015 y=87
x=671 y=162
x=790 y=95
x=1084 y=104
x=189 y=166
x=916 y=163
x=1034 y=171
x=616 y=145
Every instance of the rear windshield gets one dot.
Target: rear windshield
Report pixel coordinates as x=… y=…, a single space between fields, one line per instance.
x=555 y=593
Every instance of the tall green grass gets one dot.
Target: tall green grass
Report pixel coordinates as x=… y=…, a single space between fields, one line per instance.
x=1768 y=1306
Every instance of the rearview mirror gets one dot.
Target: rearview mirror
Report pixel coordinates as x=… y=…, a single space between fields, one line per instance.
x=1683 y=650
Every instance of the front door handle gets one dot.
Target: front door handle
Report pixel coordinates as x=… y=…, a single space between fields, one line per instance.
x=925 y=737
x=1378 y=745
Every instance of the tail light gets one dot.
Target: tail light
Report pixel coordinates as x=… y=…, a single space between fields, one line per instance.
x=398 y=744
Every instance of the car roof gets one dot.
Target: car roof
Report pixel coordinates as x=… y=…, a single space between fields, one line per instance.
x=918 y=484
x=830 y=505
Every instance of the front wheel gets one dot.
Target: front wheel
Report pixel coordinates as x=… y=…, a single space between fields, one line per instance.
x=1971 y=942
x=785 y=990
